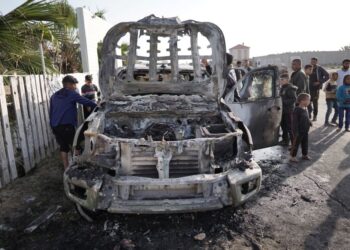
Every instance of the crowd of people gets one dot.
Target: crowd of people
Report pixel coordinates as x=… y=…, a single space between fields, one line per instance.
x=300 y=96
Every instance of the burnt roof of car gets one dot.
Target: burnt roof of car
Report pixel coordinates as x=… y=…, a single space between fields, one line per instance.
x=155 y=27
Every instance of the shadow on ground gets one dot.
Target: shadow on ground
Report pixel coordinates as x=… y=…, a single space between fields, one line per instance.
x=321 y=237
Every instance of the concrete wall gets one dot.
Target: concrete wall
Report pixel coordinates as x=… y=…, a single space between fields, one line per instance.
x=91 y=31
x=329 y=58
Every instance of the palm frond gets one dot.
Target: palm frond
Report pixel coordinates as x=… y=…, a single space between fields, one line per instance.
x=33 y=22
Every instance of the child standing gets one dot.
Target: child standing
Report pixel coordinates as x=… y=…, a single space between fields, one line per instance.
x=343 y=98
x=289 y=97
x=330 y=89
x=301 y=126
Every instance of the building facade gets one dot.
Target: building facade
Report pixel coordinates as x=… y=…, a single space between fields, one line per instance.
x=240 y=52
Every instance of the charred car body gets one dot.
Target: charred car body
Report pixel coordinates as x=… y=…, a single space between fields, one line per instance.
x=165 y=140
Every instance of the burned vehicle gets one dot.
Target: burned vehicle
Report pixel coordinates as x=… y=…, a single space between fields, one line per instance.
x=165 y=140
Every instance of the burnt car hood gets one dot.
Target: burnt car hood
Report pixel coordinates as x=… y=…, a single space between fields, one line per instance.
x=153 y=95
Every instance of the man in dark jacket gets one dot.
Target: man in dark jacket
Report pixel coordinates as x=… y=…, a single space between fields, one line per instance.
x=63 y=114
x=317 y=78
x=298 y=77
x=289 y=97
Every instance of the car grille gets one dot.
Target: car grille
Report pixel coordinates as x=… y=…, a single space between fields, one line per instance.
x=143 y=163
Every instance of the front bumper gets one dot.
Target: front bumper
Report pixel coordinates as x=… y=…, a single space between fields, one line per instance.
x=96 y=190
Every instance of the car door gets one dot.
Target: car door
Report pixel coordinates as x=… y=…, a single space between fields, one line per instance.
x=259 y=105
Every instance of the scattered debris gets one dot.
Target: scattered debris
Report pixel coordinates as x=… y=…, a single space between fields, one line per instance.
x=41 y=219
x=6 y=228
x=105 y=225
x=147 y=232
x=200 y=236
x=29 y=211
x=295 y=202
x=112 y=234
x=306 y=198
x=126 y=244
x=29 y=199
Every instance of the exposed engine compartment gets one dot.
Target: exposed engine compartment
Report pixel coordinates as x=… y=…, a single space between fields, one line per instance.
x=138 y=146
x=169 y=129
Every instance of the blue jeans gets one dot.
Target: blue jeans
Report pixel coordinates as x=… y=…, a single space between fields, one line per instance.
x=331 y=103
x=341 y=117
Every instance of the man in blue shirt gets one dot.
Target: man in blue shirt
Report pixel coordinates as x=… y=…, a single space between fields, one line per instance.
x=63 y=114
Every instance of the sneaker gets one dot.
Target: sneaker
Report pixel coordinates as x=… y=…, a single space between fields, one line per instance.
x=338 y=130
x=315 y=119
x=334 y=123
x=347 y=130
x=326 y=124
x=306 y=157
x=293 y=160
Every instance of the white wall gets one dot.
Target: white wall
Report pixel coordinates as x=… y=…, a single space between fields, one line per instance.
x=91 y=31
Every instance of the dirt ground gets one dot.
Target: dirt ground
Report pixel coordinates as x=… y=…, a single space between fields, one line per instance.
x=300 y=206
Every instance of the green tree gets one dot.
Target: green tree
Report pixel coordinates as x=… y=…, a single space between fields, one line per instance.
x=27 y=26
x=66 y=54
x=100 y=14
x=124 y=47
x=345 y=48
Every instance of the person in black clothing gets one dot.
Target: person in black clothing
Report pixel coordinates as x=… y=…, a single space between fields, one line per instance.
x=207 y=66
x=289 y=97
x=239 y=71
x=231 y=80
x=90 y=91
x=300 y=127
x=317 y=78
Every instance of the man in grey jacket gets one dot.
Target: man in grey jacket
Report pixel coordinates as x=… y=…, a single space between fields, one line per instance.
x=298 y=77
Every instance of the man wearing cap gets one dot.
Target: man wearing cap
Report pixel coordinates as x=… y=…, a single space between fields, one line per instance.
x=318 y=76
x=90 y=91
x=63 y=114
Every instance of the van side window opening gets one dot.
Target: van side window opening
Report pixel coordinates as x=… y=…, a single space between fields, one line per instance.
x=258 y=86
